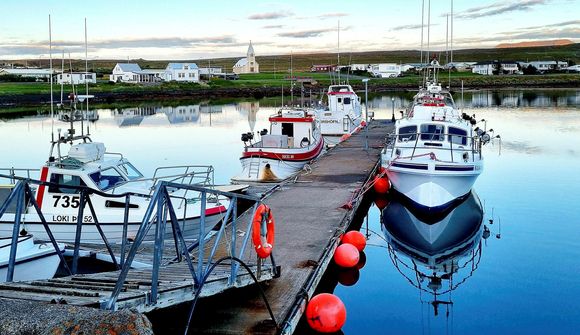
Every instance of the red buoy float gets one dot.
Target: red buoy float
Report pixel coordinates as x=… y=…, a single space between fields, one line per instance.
x=355 y=238
x=363 y=124
x=381 y=202
x=326 y=313
x=348 y=277
x=344 y=137
x=381 y=184
x=263 y=235
x=346 y=255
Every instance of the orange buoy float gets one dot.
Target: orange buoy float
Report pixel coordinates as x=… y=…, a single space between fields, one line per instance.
x=346 y=255
x=263 y=231
x=355 y=238
x=363 y=124
x=344 y=137
x=381 y=184
x=326 y=313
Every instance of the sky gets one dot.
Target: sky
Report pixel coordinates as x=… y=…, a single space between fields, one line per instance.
x=182 y=29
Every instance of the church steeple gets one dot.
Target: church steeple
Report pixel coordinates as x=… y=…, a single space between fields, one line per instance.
x=250 y=50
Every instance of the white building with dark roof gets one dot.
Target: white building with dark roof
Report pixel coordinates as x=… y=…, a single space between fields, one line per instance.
x=181 y=72
x=248 y=64
x=30 y=73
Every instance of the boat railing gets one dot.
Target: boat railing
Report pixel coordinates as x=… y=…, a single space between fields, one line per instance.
x=414 y=141
x=19 y=172
x=201 y=256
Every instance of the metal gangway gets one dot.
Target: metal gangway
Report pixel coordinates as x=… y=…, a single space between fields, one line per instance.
x=181 y=271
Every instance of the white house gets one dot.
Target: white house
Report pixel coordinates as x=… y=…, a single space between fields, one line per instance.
x=76 y=78
x=509 y=67
x=126 y=72
x=485 y=68
x=181 y=72
x=210 y=70
x=385 y=70
x=248 y=64
x=460 y=66
x=359 y=67
x=548 y=65
x=30 y=73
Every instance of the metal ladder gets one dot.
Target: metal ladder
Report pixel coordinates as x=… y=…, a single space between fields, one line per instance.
x=254 y=168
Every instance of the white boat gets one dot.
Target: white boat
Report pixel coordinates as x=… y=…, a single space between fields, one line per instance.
x=32 y=262
x=435 y=154
x=88 y=164
x=294 y=139
x=342 y=116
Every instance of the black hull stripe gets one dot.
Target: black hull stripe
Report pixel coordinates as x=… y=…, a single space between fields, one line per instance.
x=411 y=166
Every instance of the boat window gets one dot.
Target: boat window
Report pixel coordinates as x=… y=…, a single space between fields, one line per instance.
x=129 y=170
x=288 y=129
x=347 y=101
x=457 y=136
x=107 y=178
x=432 y=132
x=339 y=100
x=65 y=179
x=408 y=133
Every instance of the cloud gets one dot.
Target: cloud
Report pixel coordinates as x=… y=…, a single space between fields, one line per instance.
x=270 y=15
x=306 y=33
x=498 y=8
x=274 y=26
x=560 y=24
x=411 y=26
x=331 y=15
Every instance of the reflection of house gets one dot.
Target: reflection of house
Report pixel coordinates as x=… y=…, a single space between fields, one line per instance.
x=181 y=114
x=127 y=117
x=29 y=73
x=248 y=64
x=76 y=78
x=132 y=73
x=181 y=72
x=210 y=109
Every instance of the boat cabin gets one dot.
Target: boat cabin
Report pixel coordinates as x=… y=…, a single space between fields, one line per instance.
x=289 y=128
x=342 y=98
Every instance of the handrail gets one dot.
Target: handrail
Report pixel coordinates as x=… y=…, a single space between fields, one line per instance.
x=394 y=141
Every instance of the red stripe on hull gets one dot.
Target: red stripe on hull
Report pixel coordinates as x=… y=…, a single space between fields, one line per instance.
x=286 y=156
x=291 y=119
x=215 y=210
x=40 y=194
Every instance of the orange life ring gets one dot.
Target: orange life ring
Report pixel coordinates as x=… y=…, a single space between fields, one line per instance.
x=263 y=241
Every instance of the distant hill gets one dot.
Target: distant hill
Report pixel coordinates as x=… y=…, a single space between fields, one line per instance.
x=548 y=43
x=303 y=62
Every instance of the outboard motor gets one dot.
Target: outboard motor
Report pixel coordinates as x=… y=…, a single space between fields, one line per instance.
x=247 y=137
x=263 y=132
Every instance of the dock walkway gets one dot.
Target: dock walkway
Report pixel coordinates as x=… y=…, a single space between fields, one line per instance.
x=310 y=214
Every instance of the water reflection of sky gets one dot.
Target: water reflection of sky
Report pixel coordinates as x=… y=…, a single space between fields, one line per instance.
x=526 y=281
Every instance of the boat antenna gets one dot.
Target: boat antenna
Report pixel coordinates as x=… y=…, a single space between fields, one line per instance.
x=62 y=80
x=50 y=56
x=422 y=24
x=451 y=54
x=338 y=52
x=86 y=81
x=428 y=56
x=291 y=80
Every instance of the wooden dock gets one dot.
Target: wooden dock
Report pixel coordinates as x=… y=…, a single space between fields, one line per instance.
x=310 y=214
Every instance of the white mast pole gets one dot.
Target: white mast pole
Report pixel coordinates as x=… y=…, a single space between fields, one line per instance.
x=338 y=52
x=451 y=31
x=50 y=56
x=422 y=24
x=86 y=75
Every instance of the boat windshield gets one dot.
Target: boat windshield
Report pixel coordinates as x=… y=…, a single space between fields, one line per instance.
x=130 y=171
x=107 y=178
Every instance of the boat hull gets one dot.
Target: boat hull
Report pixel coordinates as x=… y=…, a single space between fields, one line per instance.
x=33 y=261
x=428 y=188
x=267 y=170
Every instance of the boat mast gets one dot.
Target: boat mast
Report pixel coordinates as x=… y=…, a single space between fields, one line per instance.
x=422 y=24
x=86 y=82
x=451 y=32
x=338 y=52
x=50 y=56
x=291 y=80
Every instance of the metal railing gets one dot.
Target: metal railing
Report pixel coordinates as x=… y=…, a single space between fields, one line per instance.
x=160 y=214
x=14 y=173
x=404 y=141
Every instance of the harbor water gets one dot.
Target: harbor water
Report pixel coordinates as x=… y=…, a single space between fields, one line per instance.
x=520 y=278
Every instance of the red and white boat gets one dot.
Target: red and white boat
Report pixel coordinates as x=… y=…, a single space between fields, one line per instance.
x=342 y=116
x=294 y=140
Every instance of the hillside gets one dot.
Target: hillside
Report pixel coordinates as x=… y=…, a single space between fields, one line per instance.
x=303 y=62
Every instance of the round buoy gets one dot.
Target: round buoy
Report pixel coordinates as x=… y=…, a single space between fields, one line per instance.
x=381 y=202
x=344 y=137
x=263 y=237
x=381 y=184
x=348 y=277
x=326 y=313
x=355 y=238
x=346 y=255
x=363 y=124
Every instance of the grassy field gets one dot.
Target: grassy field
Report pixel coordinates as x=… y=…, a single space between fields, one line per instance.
x=303 y=62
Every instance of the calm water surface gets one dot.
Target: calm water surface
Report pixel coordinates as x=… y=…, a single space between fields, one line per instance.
x=522 y=283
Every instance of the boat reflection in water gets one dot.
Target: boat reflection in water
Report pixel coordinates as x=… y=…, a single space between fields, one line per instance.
x=435 y=254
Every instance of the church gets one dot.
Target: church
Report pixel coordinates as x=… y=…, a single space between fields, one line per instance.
x=248 y=64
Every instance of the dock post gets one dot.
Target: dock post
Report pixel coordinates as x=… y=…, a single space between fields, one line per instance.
x=15 y=231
